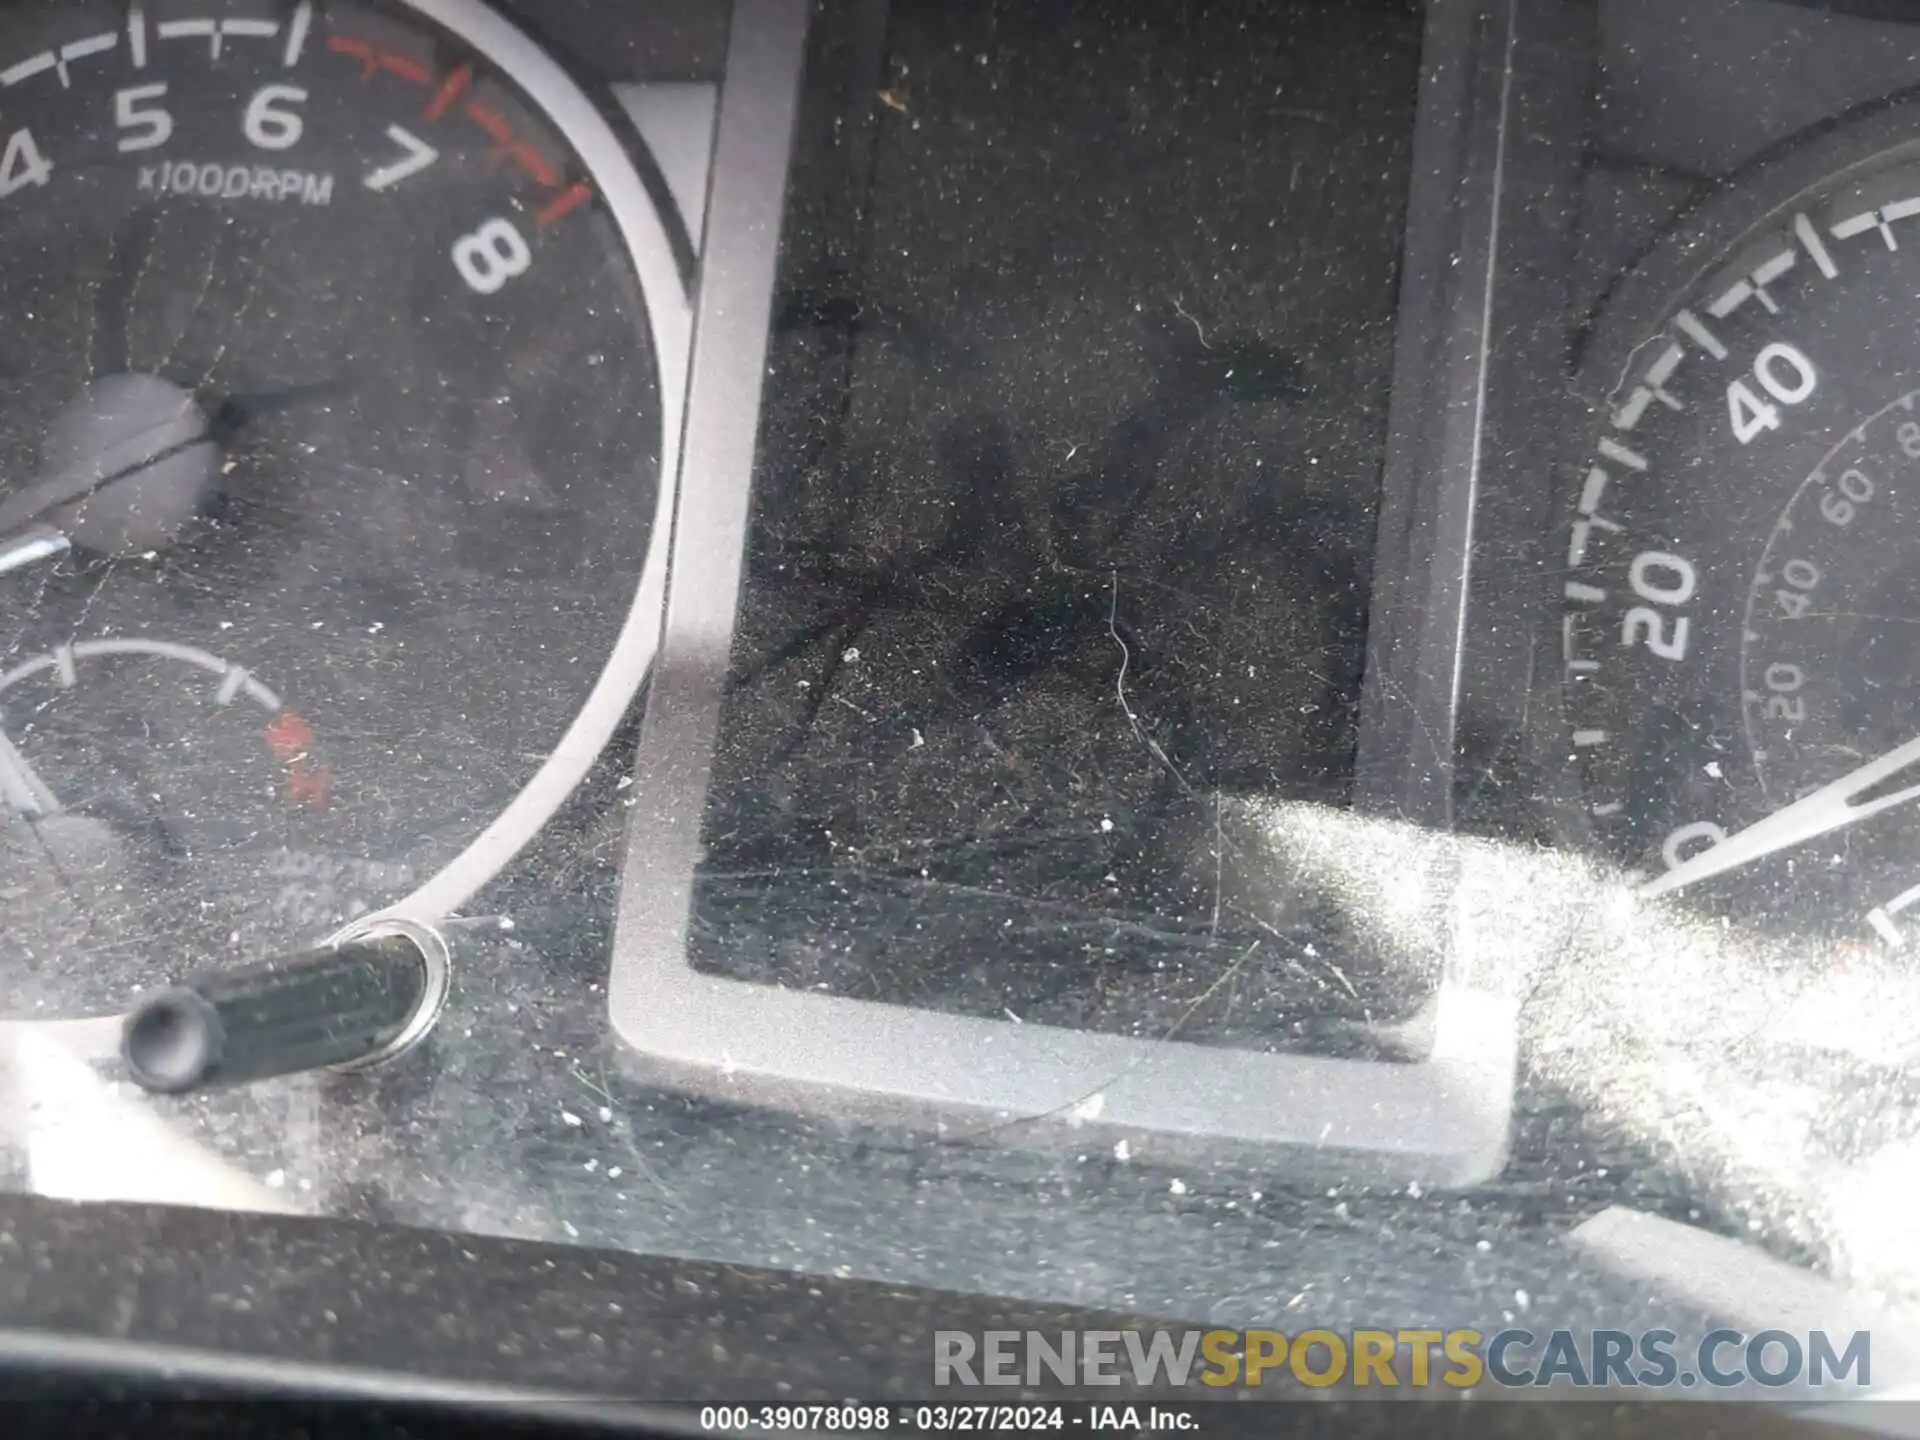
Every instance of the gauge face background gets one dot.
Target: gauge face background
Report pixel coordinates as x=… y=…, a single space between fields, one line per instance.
x=1741 y=599
x=326 y=349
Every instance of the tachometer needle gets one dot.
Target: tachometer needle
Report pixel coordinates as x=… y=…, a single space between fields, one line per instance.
x=30 y=546
x=109 y=456
x=23 y=791
x=1831 y=807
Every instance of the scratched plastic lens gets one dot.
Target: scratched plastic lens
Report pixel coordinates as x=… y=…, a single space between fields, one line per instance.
x=331 y=446
x=1739 y=609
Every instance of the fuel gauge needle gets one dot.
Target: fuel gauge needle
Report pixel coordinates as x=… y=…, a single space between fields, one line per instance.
x=22 y=790
x=1831 y=807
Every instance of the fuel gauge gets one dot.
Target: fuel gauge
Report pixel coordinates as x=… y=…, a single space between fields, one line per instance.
x=132 y=768
x=147 y=708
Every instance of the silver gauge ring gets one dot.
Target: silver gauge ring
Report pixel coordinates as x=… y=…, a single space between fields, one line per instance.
x=437 y=957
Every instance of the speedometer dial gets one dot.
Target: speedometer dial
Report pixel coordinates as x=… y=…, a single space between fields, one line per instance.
x=339 y=355
x=1741 y=604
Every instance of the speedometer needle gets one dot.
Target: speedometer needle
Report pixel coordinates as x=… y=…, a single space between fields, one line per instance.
x=1831 y=807
x=126 y=426
x=21 y=789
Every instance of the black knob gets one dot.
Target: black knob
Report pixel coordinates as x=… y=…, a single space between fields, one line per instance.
x=361 y=1000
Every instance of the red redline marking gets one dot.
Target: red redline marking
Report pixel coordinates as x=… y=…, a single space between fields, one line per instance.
x=491 y=121
x=360 y=50
x=566 y=201
x=309 y=785
x=495 y=125
x=535 y=164
x=373 y=60
x=500 y=132
x=448 y=92
x=289 y=735
x=406 y=67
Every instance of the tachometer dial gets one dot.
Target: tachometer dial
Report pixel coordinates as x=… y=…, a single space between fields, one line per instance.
x=340 y=348
x=1741 y=601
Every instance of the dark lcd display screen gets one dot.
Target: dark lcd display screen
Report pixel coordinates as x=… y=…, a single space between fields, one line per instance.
x=1058 y=565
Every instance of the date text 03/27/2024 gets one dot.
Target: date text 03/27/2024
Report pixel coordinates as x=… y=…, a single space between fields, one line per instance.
x=951 y=1418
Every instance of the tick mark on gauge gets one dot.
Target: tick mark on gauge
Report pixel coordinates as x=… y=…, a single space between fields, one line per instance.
x=1570 y=645
x=231 y=686
x=1898 y=210
x=1654 y=387
x=497 y=129
x=1661 y=371
x=1577 y=544
x=1855 y=224
x=137 y=34
x=297 y=30
x=407 y=68
x=33 y=65
x=1688 y=324
x=1578 y=590
x=373 y=60
x=1881 y=220
x=563 y=204
x=81 y=49
x=534 y=163
x=1815 y=247
x=492 y=122
x=58 y=61
x=208 y=30
x=1586 y=739
x=1730 y=300
x=1766 y=273
x=360 y=50
x=449 y=91
x=1628 y=415
x=1620 y=454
